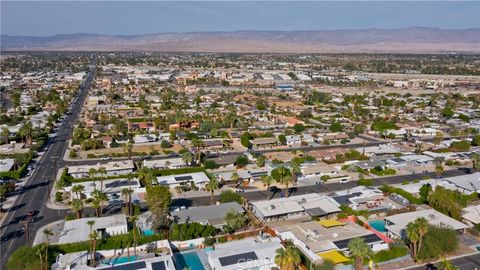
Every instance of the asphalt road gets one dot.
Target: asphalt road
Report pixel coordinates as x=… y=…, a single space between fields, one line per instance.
x=259 y=195
x=471 y=262
x=34 y=194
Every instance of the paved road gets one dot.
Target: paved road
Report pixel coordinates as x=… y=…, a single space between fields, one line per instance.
x=258 y=195
x=471 y=262
x=34 y=195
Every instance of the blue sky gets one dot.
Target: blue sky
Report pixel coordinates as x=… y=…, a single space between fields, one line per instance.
x=41 y=18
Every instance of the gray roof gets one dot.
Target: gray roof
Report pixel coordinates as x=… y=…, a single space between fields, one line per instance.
x=213 y=214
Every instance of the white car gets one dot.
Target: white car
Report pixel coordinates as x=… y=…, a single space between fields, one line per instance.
x=344 y=181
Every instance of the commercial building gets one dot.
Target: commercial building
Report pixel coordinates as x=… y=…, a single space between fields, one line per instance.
x=112 y=168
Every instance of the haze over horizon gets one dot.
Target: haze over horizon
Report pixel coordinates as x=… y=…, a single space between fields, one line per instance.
x=39 y=18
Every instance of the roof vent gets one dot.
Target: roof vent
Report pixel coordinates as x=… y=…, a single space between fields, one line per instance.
x=271 y=207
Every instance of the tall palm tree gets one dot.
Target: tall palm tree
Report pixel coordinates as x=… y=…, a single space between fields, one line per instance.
x=267 y=181
x=47 y=234
x=235 y=177
x=282 y=175
x=413 y=237
x=93 y=240
x=92 y=172
x=211 y=186
x=128 y=148
x=78 y=190
x=475 y=161
x=102 y=171
x=288 y=258
x=127 y=193
x=145 y=176
x=295 y=168
x=360 y=251
x=134 y=219
x=98 y=199
x=90 y=223
x=77 y=206
x=5 y=133
x=198 y=144
x=422 y=227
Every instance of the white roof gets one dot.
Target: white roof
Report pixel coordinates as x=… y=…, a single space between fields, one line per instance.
x=470 y=182
x=78 y=230
x=109 y=166
x=197 y=178
x=472 y=214
x=6 y=164
x=433 y=217
x=265 y=251
x=298 y=203
x=161 y=163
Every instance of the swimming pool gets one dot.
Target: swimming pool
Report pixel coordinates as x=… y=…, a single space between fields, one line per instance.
x=378 y=225
x=148 y=232
x=209 y=249
x=188 y=260
x=119 y=260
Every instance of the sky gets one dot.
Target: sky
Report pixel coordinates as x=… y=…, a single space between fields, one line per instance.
x=42 y=18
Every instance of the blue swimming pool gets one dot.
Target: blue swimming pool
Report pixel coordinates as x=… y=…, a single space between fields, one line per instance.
x=378 y=225
x=188 y=260
x=209 y=249
x=148 y=232
x=119 y=260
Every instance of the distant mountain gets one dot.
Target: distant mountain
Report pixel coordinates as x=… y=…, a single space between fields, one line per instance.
x=407 y=40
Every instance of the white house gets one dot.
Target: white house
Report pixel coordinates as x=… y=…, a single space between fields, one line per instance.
x=78 y=230
x=200 y=179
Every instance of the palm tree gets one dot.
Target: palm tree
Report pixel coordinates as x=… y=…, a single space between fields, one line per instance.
x=77 y=206
x=102 y=171
x=360 y=251
x=5 y=133
x=235 y=177
x=413 y=237
x=134 y=219
x=47 y=234
x=475 y=161
x=438 y=171
x=93 y=240
x=267 y=181
x=128 y=147
x=282 y=175
x=422 y=229
x=78 y=190
x=92 y=172
x=145 y=176
x=98 y=199
x=127 y=193
x=187 y=157
x=288 y=258
x=211 y=186
x=198 y=144
x=295 y=167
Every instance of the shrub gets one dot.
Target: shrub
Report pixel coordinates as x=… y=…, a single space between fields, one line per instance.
x=365 y=182
x=165 y=144
x=438 y=241
x=230 y=196
x=187 y=231
x=394 y=251
x=399 y=191
x=58 y=196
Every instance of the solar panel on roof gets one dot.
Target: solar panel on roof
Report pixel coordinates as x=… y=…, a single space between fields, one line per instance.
x=183 y=178
x=119 y=183
x=159 y=266
x=371 y=238
x=238 y=258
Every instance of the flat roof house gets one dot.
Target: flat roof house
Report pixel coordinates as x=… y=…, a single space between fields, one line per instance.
x=198 y=178
x=211 y=214
x=170 y=163
x=109 y=186
x=316 y=170
x=396 y=224
x=113 y=168
x=78 y=230
x=308 y=205
x=248 y=253
x=467 y=183
x=6 y=164
x=264 y=142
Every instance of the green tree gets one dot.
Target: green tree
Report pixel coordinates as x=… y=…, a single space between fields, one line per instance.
x=211 y=186
x=448 y=112
x=241 y=161
x=288 y=258
x=93 y=236
x=299 y=128
x=260 y=161
x=230 y=196
x=282 y=175
x=282 y=139
x=159 y=200
x=267 y=181
x=47 y=233
x=187 y=157
x=245 y=139
x=475 y=161
x=360 y=251
x=234 y=220
x=77 y=206
x=336 y=127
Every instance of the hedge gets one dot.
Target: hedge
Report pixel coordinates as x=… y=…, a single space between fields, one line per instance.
x=394 y=251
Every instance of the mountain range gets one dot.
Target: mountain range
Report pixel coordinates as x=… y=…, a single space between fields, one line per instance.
x=406 y=40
